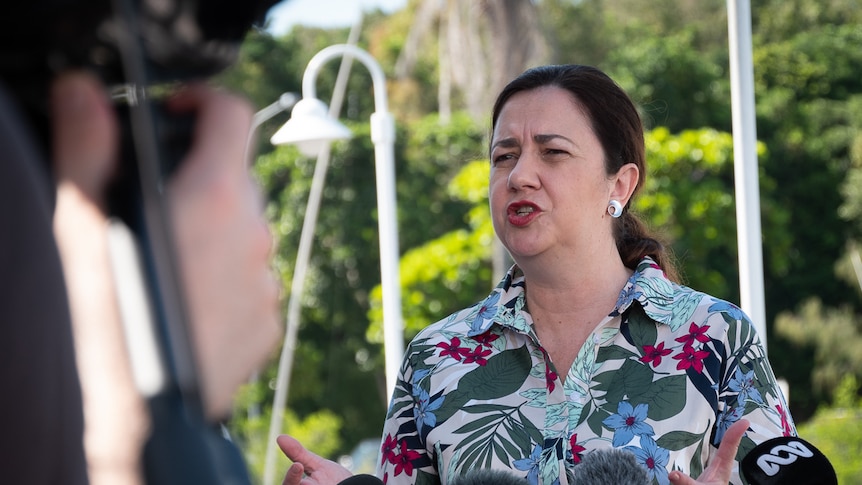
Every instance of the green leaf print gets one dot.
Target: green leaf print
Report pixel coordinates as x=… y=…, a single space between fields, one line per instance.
x=614 y=352
x=665 y=397
x=534 y=433
x=425 y=478
x=695 y=466
x=643 y=331
x=595 y=421
x=555 y=413
x=683 y=307
x=632 y=379
x=480 y=423
x=502 y=375
x=677 y=440
x=486 y=408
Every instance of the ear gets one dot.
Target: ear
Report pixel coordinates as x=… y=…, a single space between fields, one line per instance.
x=624 y=182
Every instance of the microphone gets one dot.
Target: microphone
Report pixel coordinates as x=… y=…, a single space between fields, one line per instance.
x=488 y=476
x=787 y=459
x=600 y=467
x=610 y=466
x=361 y=479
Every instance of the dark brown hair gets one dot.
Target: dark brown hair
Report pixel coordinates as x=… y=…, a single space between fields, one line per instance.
x=617 y=124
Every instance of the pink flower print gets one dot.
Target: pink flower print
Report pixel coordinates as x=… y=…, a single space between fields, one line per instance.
x=550 y=378
x=453 y=349
x=486 y=339
x=654 y=354
x=576 y=448
x=691 y=358
x=387 y=450
x=477 y=355
x=404 y=460
x=695 y=334
x=785 y=421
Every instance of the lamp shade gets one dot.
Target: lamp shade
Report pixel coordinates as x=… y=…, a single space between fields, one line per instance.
x=310 y=127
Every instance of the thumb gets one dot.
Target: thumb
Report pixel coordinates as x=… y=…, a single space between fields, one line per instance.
x=84 y=134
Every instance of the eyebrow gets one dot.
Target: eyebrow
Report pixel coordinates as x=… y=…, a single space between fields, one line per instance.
x=540 y=139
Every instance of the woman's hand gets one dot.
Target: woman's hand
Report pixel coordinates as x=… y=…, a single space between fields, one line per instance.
x=721 y=468
x=320 y=470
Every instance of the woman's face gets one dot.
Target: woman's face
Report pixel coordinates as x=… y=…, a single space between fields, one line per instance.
x=548 y=189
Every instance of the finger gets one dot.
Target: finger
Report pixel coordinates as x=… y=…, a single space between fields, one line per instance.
x=721 y=467
x=297 y=453
x=84 y=133
x=678 y=478
x=730 y=443
x=293 y=475
x=223 y=118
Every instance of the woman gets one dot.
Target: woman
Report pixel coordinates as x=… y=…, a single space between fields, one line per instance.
x=586 y=343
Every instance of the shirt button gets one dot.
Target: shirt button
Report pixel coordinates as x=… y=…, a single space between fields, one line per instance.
x=595 y=339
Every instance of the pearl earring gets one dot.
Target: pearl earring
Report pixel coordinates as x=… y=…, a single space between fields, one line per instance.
x=615 y=209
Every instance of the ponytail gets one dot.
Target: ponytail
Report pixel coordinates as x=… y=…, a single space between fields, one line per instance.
x=634 y=243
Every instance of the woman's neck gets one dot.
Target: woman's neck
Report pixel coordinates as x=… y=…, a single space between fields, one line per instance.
x=575 y=286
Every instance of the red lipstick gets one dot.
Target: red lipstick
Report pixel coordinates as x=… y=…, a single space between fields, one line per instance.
x=522 y=213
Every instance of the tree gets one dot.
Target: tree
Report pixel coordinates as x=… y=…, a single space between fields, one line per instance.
x=669 y=54
x=481 y=45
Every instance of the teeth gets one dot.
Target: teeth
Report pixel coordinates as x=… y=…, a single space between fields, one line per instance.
x=522 y=211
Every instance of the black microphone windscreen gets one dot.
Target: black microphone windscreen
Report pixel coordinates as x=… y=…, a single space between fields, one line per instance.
x=787 y=459
x=609 y=467
x=361 y=479
x=488 y=476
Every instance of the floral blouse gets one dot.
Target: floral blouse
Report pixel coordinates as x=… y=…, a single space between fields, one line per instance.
x=663 y=376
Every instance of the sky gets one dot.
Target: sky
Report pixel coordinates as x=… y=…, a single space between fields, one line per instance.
x=324 y=13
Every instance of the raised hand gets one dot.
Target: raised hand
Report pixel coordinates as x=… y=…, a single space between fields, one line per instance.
x=320 y=471
x=721 y=468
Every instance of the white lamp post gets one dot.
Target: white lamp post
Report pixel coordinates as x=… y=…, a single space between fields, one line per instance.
x=311 y=128
x=310 y=114
x=746 y=178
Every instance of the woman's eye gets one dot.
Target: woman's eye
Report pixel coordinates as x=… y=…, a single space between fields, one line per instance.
x=505 y=157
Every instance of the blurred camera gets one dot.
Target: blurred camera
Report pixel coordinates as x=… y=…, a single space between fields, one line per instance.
x=174 y=40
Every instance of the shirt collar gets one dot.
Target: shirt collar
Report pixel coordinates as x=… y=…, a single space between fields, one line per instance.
x=648 y=286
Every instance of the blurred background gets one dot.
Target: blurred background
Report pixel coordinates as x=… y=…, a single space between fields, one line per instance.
x=444 y=62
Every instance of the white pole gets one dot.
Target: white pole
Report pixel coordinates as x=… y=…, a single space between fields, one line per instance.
x=383 y=136
x=297 y=287
x=745 y=164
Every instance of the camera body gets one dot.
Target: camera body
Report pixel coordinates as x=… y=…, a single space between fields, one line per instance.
x=133 y=45
x=179 y=40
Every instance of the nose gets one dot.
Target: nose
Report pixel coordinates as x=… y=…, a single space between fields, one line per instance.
x=525 y=173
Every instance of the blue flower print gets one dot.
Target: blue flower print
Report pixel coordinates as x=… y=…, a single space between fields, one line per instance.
x=530 y=465
x=487 y=311
x=418 y=376
x=732 y=310
x=726 y=418
x=423 y=412
x=628 y=423
x=629 y=294
x=744 y=385
x=654 y=458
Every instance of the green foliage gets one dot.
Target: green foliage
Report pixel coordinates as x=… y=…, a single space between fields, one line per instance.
x=836 y=337
x=671 y=56
x=344 y=266
x=677 y=87
x=318 y=432
x=450 y=272
x=690 y=184
x=837 y=431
